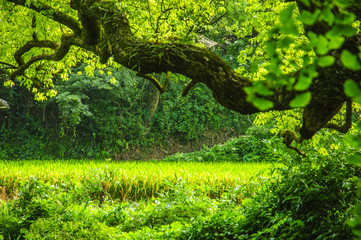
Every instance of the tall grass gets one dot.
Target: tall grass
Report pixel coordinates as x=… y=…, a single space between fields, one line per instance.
x=130 y=180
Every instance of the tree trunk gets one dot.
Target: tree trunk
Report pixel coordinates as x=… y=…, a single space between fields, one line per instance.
x=151 y=100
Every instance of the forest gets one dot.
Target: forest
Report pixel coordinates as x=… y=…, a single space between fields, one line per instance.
x=192 y=119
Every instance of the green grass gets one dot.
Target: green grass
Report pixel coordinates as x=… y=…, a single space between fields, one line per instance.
x=130 y=180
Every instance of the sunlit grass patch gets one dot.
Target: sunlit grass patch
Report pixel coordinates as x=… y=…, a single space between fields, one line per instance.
x=131 y=180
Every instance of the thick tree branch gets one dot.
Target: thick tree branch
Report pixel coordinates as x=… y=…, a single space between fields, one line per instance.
x=348 y=120
x=32 y=44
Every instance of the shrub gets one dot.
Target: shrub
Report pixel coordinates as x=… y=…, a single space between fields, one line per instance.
x=241 y=149
x=17 y=216
x=311 y=200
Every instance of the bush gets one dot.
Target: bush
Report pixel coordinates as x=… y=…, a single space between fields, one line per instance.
x=16 y=217
x=311 y=200
x=241 y=149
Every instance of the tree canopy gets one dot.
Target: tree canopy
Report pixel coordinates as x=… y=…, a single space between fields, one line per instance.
x=301 y=54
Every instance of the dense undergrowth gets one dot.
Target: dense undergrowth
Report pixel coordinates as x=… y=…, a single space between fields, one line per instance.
x=179 y=198
x=98 y=200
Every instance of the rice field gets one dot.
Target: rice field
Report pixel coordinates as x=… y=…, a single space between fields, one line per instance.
x=131 y=180
x=120 y=200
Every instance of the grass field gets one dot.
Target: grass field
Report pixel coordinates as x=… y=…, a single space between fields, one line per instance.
x=118 y=200
x=130 y=180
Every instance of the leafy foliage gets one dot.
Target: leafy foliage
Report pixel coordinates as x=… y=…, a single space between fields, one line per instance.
x=108 y=114
x=241 y=149
x=307 y=202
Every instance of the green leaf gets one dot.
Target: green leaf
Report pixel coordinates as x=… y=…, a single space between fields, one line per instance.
x=27 y=3
x=305 y=79
x=285 y=42
x=319 y=42
x=342 y=30
x=355 y=159
x=286 y=14
x=263 y=90
x=335 y=42
x=301 y=100
x=270 y=48
x=306 y=60
x=328 y=16
x=254 y=66
x=341 y=3
x=274 y=30
x=262 y=104
x=306 y=2
x=289 y=28
x=349 y=60
x=354 y=140
x=351 y=88
x=303 y=83
x=322 y=45
x=326 y=61
x=309 y=18
x=250 y=93
x=287 y=25
x=345 y=18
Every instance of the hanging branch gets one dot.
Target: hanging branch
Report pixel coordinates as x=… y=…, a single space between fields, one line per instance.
x=348 y=120
x=60 y=51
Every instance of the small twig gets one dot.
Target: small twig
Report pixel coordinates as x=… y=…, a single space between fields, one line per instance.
x=288 y=137
x=8 y=64
x=60 y=51
x=189 y=87
x=157 y=84
x=218 y=19
x=33 y=26
x=136 y=98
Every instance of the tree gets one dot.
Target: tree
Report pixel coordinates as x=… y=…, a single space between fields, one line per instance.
x=57 y=30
